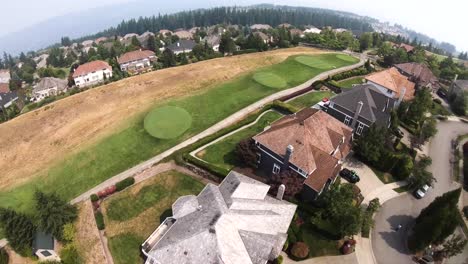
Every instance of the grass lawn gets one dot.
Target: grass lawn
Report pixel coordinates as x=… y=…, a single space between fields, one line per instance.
x=385 y=177
x=319 y=245
x=133 y=144
x=309 y=99
x=269 y=80
x=438 y=109
x=132 y=215
x=167 y=122
x=348 y=83
x=223 y=154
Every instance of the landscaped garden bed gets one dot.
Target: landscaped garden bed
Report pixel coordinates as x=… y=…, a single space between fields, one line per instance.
x=133 y=214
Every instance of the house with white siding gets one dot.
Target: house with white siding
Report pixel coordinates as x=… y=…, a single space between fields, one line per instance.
x=92 y=73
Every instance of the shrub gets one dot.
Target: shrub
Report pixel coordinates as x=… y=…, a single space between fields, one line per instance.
x=285 y=107
x=121 y=185
x=403 y=168
x=465 y=211
x=69 y=255
x=300 y=250
x=94 y=197
x=437 y=101
x=213 y=169
x=4 y=258
x=279 y=260
x=99 y=220
x=106 y=192
x=286 y=245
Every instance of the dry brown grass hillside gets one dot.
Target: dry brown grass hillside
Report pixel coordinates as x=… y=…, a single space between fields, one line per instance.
x=34 y=141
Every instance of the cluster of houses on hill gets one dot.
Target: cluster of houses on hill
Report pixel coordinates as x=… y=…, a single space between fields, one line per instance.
x=237 y=221
x=7 y=97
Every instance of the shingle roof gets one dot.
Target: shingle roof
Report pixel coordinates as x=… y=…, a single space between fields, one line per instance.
x=307 y=131
x=376 y=106
x=235 y=222
x=393 y=80
x=135 y=55
x=4 y=74
x=406 y=47
x=5 y=98
x=419 y=72
x=183 y=34
x=4 y=88
x=43 y=241
x=262 y=35
x=260 y=26
x=463 y=84
x=182 y=45
x=50 y=82
x=213 y=40
x=91 y=67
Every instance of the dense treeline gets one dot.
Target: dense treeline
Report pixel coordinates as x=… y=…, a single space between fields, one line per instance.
x=238 y=16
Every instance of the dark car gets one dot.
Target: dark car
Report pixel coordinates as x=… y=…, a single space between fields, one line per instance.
x=349 y=175
x=442 y=93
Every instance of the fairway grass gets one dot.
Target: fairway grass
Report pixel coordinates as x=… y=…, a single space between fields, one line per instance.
x=133 y=145
x=132 y=215
x=269 y=79
x=309 y=99
x=167 y=122
x=223 y=154
x=325 y=63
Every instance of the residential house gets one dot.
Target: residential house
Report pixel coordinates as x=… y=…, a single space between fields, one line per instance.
x=92 y=73
x=296 y=32
x=285 y=25
x=420 y=74
x=99 y=40
x=48 y=86
x=194 y=30
x=165 y=32
x=87 y=43
x=339 y=30
x=44 y=247
x=5 y=76
x=312 y=29
x=260 y=27
x=183 y=34
x=129 y=36
x=182 y=46
x=406 y=47
x=214 y=41
x=310 y=143
x=41 y=61
x=7 y=97
x=459 y=86
x=361 y=107
x=143 y=38
x=393 y=84
x=235 y=222
x=136 y=61
x=266 y=39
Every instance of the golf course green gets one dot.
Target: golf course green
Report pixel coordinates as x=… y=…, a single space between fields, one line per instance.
x=269 y=79
x=167 y=122
x=323 y=62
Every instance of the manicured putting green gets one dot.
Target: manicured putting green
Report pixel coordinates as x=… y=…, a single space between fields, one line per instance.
x=269 y=79
x=322 y=63
x=167 y=122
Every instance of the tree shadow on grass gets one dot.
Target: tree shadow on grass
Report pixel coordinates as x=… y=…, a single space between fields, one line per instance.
x=397 y=239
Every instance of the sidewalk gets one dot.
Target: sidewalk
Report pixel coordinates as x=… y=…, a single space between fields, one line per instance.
x=384 y=193
x=232 y=119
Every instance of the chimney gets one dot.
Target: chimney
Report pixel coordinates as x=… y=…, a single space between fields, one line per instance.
x=287 y=157
x=178 y=44
x=453 y=83
x=280 y=193
x=402 y=95
x=356 y=114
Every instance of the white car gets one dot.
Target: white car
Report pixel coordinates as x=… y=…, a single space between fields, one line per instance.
x=421 y=192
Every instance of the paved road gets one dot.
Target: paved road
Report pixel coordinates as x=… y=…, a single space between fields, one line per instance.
x=390 y=246
x=215 y=128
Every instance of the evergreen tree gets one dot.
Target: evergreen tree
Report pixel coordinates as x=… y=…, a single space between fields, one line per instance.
x=19 y=229
x=435 y=222
x=53 y=213
x=135 y=42
x=168 y=59
x=227 y=45
x=151 y=43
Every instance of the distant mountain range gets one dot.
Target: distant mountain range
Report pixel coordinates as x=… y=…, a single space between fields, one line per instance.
x=77 y=25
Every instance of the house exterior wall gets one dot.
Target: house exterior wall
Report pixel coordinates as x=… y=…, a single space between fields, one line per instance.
x=92 y=78
x=40 y=95
x=340 y=114
x=136 y=66
x=177 y=52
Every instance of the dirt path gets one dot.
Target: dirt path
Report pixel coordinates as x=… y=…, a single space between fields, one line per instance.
x=236 y=117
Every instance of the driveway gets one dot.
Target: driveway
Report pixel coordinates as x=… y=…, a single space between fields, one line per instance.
x=388 y=245
x=369 y=182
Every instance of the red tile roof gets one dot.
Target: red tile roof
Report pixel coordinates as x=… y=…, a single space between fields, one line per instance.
x=4 y=88
x=135 y=55
x=91 y=67
x=419 y=73
x=393 y=80
x=315 y=136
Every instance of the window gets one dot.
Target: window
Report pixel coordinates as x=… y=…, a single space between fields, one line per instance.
x=347 y=120
x=359 y=129
x=259 y=157
x=276 y=168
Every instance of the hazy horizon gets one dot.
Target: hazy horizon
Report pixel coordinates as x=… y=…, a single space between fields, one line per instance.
x=442 y=22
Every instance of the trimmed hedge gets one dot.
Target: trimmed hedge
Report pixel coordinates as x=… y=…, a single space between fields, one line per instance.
x=218 y=171
x=352 y=73
x=99 y=220
x=244 y=51
x=121 y=185
x=94 y=197
x=284 y=107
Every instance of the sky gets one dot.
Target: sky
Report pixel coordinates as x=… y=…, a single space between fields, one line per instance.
x=443 y=20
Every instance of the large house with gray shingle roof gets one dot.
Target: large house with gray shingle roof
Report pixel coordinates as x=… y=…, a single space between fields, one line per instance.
x=233 y=223
x=361 y=107
x=310 y=143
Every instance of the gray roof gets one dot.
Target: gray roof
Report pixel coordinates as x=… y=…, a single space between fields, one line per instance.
x=376 y=106
x=213 y=40
x=50 y=82
x=5 y=98
x=43 y=241
x=182 y=45
x=235 y=222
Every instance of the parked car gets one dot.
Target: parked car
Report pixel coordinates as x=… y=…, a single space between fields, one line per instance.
x=421 y=192
x=442 y=93
x=349 y=175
